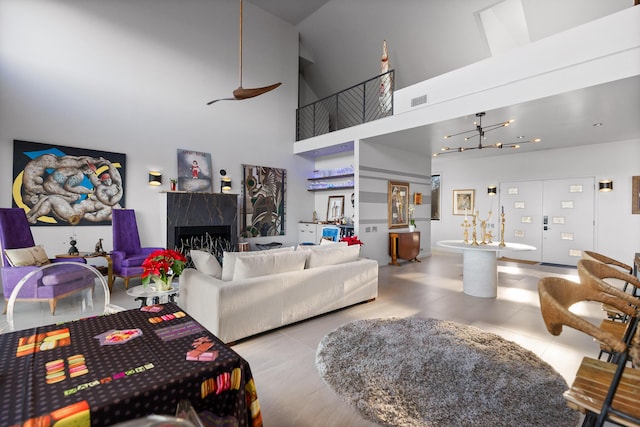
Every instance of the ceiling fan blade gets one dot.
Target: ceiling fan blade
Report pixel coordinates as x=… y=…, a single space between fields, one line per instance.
x=241 y=93
x=221 y=99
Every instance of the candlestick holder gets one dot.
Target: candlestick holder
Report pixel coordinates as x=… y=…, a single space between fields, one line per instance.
x=466 y=226
x=475 y=240
x=502 y=244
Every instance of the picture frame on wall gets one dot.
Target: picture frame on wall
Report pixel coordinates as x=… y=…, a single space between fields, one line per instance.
x=463 y=202
x=335 y=208
x=398 y=201
x=194 y=171
x=58 y=185
x=263 y=201
x=635 y=195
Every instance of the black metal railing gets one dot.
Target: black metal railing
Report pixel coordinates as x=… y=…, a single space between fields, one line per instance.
x=362 y=103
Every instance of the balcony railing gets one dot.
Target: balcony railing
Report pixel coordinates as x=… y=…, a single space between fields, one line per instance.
x=362 y=103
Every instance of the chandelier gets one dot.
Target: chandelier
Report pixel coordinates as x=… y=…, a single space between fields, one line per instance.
x=480 y=132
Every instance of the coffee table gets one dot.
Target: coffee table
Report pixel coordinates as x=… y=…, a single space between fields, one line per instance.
x=143 y=293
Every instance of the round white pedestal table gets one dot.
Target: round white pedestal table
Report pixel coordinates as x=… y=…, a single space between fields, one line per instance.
x=480 y=265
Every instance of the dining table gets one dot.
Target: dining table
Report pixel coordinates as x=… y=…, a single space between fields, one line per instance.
x=120 y=367
x=480 y=264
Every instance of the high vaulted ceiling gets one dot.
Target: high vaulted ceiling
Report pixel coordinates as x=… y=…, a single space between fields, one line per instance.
x=342 y=40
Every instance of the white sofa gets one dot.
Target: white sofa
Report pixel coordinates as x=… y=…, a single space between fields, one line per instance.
x=262 y=290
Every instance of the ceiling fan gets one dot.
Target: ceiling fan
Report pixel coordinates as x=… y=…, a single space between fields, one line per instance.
x=244 y=93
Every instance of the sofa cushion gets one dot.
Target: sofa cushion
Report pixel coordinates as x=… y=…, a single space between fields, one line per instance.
x=229 y=260
x=20 y=257
x=267 y=264
x=333 y=255
x=67 y=274
x=206 y=263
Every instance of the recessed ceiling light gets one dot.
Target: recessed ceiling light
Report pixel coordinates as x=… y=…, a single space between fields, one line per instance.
x=520 y=137
x=597 y=124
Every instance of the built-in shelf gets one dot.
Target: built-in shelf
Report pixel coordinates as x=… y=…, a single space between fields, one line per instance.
x=327 y=181
x=319 y=178
x=331 y=188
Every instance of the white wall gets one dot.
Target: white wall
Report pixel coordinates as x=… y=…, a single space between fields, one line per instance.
x=133 y=77
x=378 y=164
x=617 y=230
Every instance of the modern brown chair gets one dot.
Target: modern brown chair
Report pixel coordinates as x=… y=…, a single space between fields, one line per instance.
x=594 y=274
x=601 y=390
x=606 y=260
x=594 y=256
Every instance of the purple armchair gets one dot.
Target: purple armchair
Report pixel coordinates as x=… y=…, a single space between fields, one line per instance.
x=127 y=255
x=48 y=285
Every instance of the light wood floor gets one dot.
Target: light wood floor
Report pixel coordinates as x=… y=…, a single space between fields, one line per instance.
x=291 y=392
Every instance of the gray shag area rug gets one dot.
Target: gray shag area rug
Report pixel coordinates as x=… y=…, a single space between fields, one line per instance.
x=429 y=372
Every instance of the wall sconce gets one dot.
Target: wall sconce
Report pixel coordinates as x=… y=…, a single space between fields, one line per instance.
x=155 y=178
x=492 y=190
x=605 y=185
x=225 y=182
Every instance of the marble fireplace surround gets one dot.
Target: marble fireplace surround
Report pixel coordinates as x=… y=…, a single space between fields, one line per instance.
x=201 y=211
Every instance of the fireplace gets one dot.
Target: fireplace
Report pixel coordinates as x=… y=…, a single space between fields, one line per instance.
x=184 y=234
x=196 y=214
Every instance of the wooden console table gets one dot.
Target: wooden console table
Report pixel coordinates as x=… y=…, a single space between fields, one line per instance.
x=404 y=246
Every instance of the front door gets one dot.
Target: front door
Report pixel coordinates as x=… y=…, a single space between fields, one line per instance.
x=557 y=216
x=522 y=205
x=568 y=219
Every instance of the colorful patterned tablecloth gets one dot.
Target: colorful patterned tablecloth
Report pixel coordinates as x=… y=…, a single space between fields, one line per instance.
x=108 y=369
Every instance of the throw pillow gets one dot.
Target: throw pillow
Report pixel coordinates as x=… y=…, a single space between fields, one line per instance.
x=327 y=241
x=267 y=264
x=322 y=246
x=206 y=263
x=332 y=256
x=229 y=260
x=21 y=257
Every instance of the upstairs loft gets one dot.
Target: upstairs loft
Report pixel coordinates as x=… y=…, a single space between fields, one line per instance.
x=575 y=59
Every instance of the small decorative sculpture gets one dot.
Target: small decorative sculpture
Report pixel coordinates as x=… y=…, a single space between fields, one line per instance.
x=489 y=236
x=98 y=249
x=73 y=250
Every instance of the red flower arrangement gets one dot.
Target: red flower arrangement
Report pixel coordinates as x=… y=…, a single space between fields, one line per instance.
x=162 y=265
x=352 y=240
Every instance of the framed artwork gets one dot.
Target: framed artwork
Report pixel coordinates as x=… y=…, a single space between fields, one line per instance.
x=398 y=200
x=635 y=195
x=58 y=185
x=194 y=171
x=417 y=198
x=335 y=208
x=463 y=201
x=263 y=202
x=435 y=197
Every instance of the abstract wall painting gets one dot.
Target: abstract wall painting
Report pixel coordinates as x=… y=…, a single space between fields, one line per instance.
x=264 y=201
x=58 y=185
